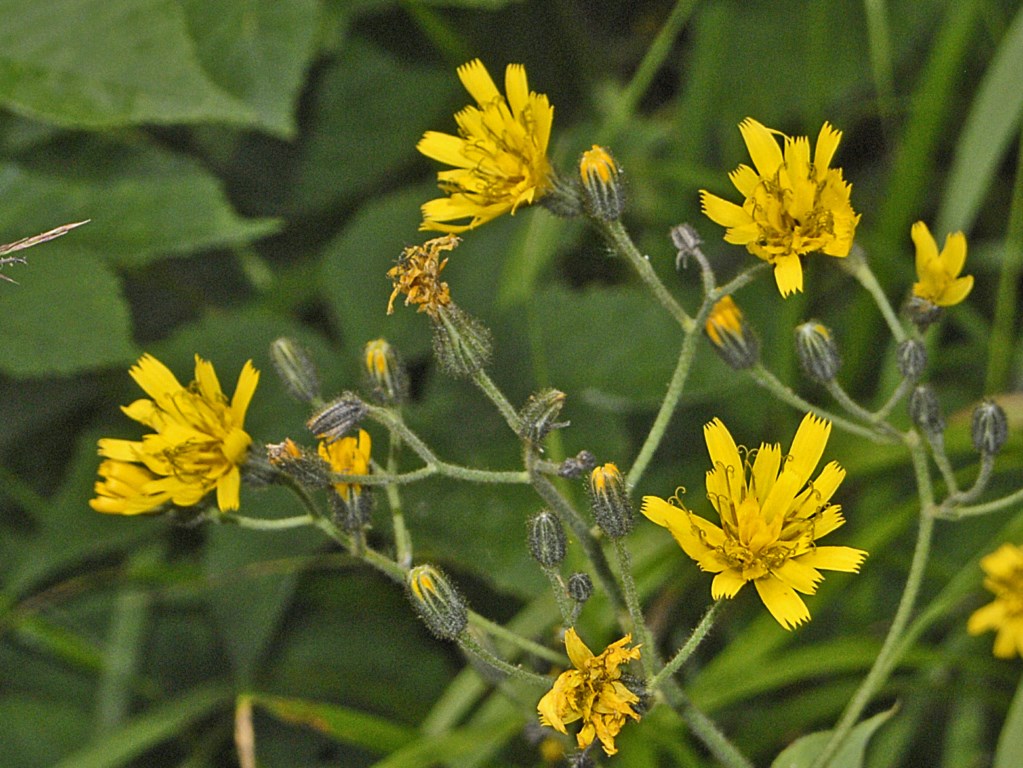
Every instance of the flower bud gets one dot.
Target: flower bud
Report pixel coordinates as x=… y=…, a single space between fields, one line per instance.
x=351 y=503
x=925 y=410
x=257 y=471
x=460 y=342
x=337 y=418
x=609 y=501
x=990 y=428
x=388 y=380
x=688 y=241
x=437 y=602
x=732 y=337
x=922 y=313
x=578 y=465
x=911 y=357
x=817 y=352
x=304 y=467
x=564 y=199
x=547 y=539
x=603 y=195
x=296 y=369
x=580 y=587
x=539 y=415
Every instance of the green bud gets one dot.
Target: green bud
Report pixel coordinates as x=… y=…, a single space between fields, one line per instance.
x=296 y=369
x=437 y=602
x=817 y=352
x=911 y=356
x=461 y=342
x=580 y=587
x=990 y=428
x=925 y=411
x=609 y=501
x=603 y=194
x=388 y=380
x=547 y=539
x=337 y=418
x=539 y=415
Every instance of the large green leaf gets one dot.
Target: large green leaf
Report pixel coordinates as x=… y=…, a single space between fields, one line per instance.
x=802 y=752
x=67 y=315
x=96 y=63
x=256 y=51
x=143 y=201
x=1010 y=741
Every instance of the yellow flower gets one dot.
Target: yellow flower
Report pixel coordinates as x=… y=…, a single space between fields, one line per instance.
x=792 y=206
x=1004 y=615
x=417 y=275
x=350 y=456
x=940 y=283
x=198 y=442
x=771 y=518
x=499 y=157
x=732 y=337
x=592 y=692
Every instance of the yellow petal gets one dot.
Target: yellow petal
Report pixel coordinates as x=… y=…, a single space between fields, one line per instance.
x=781 y=600
x=956 y=291
x=577 y=651
x=477 y=82
x=723 y=212
x=243 y=391
x=986 y=618
x=827 y=143
x=228 y=490
x=516 y=88
x=726 y=584
x=844 y=559
x=799 y=574
x=206 y=378
x=808 y=446
x=762 y=146
x=727 y=478
x=765 y=469
x=953 y=255
x=926 y=248
x=788 y=274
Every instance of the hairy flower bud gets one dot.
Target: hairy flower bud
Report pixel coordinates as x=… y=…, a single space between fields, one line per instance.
x=817 y=352
x=296 y=369
x=387 y=378
x=437 y=602
x=461 y=342
x=922 y=313
x=580 y=587
x=337 y=418
x=547 y=539
x=539 y=415
x=578 y=465
x=304 y=467
x=911 y=357
x=603 y=194
x=732 y=337
x=925 y=410
x=565 y=198
x=687 y=241
x=990 y=427
x=609 y=500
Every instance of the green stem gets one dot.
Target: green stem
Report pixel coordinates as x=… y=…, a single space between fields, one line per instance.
x=897 y=397
x=690 y=645
x=566 y=607
x=937 y=443
x=650 y=658
x=667 y=409
x=857 y=410
x=856 y=265
x=512 y=638
x=706 y=730
x=768 y=381
x=402 y=538
x=468 y=644
x=490 y=389
x=257 y=524
x=888 y=655
x=616 y=234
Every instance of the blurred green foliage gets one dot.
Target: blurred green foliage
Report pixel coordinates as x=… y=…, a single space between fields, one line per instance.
x=249 y=170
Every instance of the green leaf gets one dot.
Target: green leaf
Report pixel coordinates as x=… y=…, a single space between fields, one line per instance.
x=360 y=138
x=66 y=315
x=992 y=123
x=802 y=752
x=257 y=52
x=341 y=723
x=102 y=63
x=143 y=202
x=1010 y=742
x=148 y=729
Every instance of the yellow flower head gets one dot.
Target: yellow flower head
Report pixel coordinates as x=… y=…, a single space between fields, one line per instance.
x=417 y=275
x=198 y=442
x=350 y=456
x=592 y=692
x=499 y=157
x=793 y=205
x=1004 y=615
x=938 y=273
x=771 y=518
x=733 y=338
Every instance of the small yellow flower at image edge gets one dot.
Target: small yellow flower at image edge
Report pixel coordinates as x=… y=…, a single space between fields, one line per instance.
x=771 y=515
x=198 y=443
x=938 y=273
x=1003 y=576
x=592 y=692
x=793 y=205
x=499 y=156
